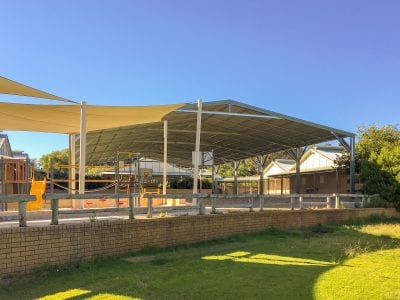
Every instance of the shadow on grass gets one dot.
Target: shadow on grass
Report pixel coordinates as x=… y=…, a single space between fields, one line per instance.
x=272 y=264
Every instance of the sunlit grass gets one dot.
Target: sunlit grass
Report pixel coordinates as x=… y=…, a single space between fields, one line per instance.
x=79 y=293
x=65 y=295
x=390 y=230
x=368 y=276
x=273 y=264
x=108 y=296
x=268 y=259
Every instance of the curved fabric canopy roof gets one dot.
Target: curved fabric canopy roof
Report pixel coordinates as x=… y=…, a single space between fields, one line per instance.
x=233 y=130
x=66 y=118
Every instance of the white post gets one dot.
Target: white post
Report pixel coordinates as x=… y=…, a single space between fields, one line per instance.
x=197 y=150
x=82 y=152
x=337 y=202
x=165 y=157
x=72 y=168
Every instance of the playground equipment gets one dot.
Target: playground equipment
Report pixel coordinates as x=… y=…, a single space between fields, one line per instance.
x=38 y=189
x=129 y=180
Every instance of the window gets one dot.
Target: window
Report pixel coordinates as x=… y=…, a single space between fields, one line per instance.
x=303 y=180
x=321 y=179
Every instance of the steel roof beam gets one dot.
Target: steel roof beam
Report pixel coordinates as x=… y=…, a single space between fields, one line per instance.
x=228 y=114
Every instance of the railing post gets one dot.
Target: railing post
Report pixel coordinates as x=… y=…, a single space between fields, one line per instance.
x=337 y=201
x=301 y=202
x=22 y=213
x=202 y=208
x=131 y=207
x=54 y=212
x=292 y=203
x=363 y=201
x=251 y=209
x=149 y=207
x=328 y=202
x=261 y=202
x=213 y=204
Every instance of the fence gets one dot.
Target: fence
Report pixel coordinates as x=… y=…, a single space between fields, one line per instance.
x=200 y=203
x=251 y=201
x=21 y=200
x=55 y=212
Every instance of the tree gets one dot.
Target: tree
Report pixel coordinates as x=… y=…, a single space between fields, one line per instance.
x=58 y=157
x=378 y=161
x=249 y=166
x=373 y=138
x=381 y=173
x=246 y=167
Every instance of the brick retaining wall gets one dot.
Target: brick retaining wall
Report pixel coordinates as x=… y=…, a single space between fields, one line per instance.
x=23 y=249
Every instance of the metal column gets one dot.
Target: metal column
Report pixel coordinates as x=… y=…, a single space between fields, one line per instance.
x=82 y=152
x=213 y=175
x=352 y=165
x=117 y=179
x=27 y=169
x=197 y=150
x=2 y=181
x=298 y=157
x=261 y=163
x=72 y=168
x=165 y=157
x=235 y=178
x=351 y=149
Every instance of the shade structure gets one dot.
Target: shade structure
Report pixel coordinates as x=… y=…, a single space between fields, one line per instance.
x=66 y=118
x=231 y=129
x=11 y=87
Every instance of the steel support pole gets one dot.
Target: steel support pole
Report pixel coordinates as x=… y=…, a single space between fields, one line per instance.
x=72 y=168
x=2 y=181
x=72 y=162
x=261 y=163
x=51 y=177
x=298 y=157
x=165 y=157
x=235 y=178
x=214 y=181
x=82 y=152
x=352 y=165
x=197 y=150
x=27 y=168
x=139 y=177
x=117 y=179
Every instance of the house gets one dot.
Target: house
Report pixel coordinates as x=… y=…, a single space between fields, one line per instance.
x=318 y=173
x=12 y=168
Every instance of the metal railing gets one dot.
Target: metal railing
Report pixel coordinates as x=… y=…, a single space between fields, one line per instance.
x=55 y=198
x=215 y=201
x=248 y=201
x=22 y=200
x=199 y=198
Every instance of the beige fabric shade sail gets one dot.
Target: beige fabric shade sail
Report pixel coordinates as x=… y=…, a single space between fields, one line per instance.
x=8 y=86
x=66 y=118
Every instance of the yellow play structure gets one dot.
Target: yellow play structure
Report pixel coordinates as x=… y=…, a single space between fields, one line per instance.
x=38 y=188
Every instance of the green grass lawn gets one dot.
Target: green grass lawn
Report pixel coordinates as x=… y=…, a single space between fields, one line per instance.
x=353 y=261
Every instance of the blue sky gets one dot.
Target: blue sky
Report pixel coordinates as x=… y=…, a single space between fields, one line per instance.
x=331 y=62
